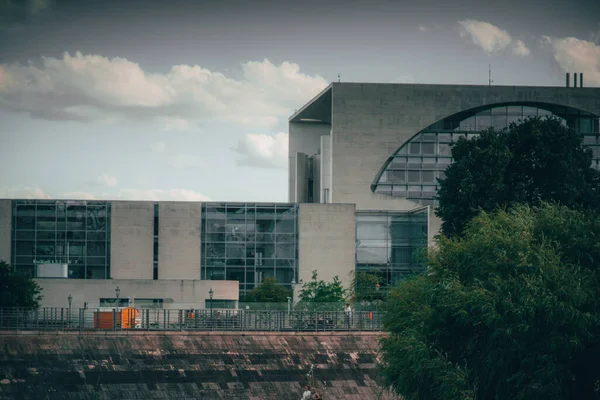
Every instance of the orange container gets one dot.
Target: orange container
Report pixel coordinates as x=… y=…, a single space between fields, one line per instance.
x=104 y=319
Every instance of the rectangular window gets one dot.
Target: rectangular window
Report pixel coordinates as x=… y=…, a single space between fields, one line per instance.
x=414 y=176
x=219 y=304
x=253 y=238
x=428 y=148
x=148 y=303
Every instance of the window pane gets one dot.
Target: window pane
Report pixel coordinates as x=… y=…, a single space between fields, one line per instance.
x=415 y=148
x=427 y=176
x=413 y=176
x=428 y=148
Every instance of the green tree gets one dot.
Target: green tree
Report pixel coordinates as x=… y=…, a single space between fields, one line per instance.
x=367 y=286
x=508 y=311
x=17 y=290
x=534 y=161
x=268 y=292
x=318 y=295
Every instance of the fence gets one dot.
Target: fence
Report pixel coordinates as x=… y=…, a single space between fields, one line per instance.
x=64 y=319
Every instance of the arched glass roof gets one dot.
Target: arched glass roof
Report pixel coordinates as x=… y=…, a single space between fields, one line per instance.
x=412 y=171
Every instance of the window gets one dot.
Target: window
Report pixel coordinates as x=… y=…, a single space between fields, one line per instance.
x=64 y=232
x=219 y=304
x=391 y=246
x=148 y=303
x=114 y=302
x=254 y=238
x=416 y=161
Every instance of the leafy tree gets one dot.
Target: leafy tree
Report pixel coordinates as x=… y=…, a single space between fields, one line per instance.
x=367 y=286
x=508 y=311
x=17 y=290
x=320 y=295
x=268 y=292
x=534 y=161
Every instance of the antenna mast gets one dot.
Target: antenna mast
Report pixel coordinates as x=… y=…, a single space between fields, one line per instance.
x=490 y=75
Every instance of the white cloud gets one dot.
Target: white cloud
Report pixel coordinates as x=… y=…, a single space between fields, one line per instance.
x=576 y=55
x=162 y=195
x=262 y=150
x=158 y=147
x=175 y=124
x=491 y=38
x=107 y=180
x=79 y=196
x=424 y=28
x=185 y=161
x=95 y=88
x=123 y=194
x=24 y=193
x=485 y=35
x=520 y=49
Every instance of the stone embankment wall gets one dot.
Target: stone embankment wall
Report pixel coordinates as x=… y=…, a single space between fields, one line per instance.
x=188 y=366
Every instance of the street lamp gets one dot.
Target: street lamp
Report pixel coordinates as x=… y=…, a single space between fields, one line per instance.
x=70 y=299
x=117 y=292
x=211 y=293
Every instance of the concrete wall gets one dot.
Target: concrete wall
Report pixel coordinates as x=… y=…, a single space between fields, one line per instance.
x=187 y=365
x=326 y=235
x=179 y=240
x=371 y=121
x=176 y=293
x=304 y=137
x=132 y=239
x=5 y=230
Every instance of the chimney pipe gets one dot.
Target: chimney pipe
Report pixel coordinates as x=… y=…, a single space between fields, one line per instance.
x=568 y=79
x=574 y=79
x=581 y=79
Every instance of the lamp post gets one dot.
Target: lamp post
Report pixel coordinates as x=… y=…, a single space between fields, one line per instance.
x=117 y=292
x=211 y=293
x=70 y=300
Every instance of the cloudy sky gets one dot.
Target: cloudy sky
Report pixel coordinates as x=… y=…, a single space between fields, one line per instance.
x=189 y=99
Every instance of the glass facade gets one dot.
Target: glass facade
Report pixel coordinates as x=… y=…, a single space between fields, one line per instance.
x=413 y=170
x=248 y=242
x=390 y=243
x=76 y=233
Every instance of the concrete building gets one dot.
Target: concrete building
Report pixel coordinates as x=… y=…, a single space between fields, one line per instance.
x=363 y=166
x=383 y=146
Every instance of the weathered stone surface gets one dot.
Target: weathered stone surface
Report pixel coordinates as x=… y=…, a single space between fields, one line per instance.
x=188 y=366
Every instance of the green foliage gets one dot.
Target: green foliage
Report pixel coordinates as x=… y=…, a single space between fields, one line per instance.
x=17 y=290
x=534 y=161
x=268 y=292
x=508 y=311
x=367 y=287
x=318 y=295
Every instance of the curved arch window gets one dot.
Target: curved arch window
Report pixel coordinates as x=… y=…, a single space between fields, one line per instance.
x=414 y=169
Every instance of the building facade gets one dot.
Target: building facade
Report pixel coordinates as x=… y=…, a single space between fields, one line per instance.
x=382 y=147
x=172 y=253
x=364 y=160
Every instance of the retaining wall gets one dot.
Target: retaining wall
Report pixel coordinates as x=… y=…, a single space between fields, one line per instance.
x=210 y=365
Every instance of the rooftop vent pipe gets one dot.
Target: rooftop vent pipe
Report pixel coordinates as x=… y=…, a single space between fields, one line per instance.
x=575 y=79
x=568 y=79
x=581 y=79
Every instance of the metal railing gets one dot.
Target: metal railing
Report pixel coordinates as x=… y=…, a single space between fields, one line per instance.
x=64 y=319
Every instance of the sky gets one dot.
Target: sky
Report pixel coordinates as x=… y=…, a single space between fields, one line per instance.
x=189 y=99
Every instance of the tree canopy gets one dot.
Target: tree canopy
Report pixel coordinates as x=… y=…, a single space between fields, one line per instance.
x=531 y=162
x=507 y=311
x=320 y=295
x=367 y=286
x=17 y=290
x=268 y=292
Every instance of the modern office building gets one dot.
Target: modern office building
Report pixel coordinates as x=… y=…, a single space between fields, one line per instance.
x=364 y=163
